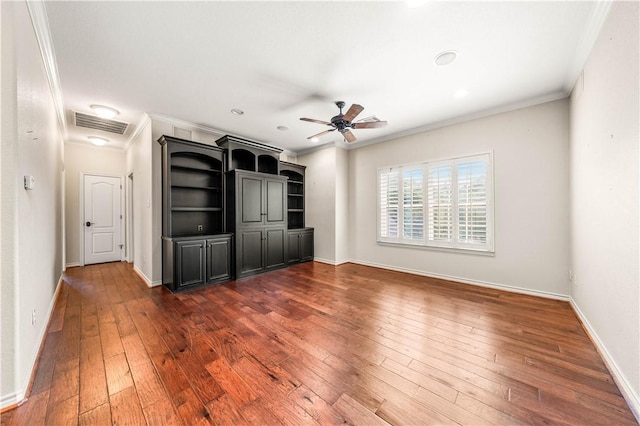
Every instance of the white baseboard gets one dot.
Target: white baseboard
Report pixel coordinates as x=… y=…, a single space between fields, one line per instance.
x=18 y=397
x=146 y=279
x=623 y=384
x=72 y=265
x=505 y=287
x=330 y=262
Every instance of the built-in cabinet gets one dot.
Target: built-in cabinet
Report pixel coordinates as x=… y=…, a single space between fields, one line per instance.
x=196 y=249
x=300 y=245
x=300 y=238
x=256 y=208
x=229 y=211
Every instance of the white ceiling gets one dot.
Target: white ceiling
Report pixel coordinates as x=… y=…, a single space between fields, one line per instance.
x=279 y=61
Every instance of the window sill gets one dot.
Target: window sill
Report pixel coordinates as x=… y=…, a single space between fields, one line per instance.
x=476 y=252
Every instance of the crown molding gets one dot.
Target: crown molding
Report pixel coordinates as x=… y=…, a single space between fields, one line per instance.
x=594 y=25
x=186 y=124
x=194 y=126
x=144 y=122
x=467 y=117
x=38 y=13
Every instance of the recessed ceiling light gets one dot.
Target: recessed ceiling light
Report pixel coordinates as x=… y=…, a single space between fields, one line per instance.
x=445 y=58
x=237 y=111
x=283 y=128
x=315 y=139
x=98 y=141
x=460 y=93
x=104 y=111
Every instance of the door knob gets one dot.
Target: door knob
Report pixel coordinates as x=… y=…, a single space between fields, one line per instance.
x=89 y=223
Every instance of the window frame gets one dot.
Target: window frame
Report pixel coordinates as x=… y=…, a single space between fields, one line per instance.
x=454 y=244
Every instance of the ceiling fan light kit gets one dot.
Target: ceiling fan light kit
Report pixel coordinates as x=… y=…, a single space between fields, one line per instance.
x=344 y=122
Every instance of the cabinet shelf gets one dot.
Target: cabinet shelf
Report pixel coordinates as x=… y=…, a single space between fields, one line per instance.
x=206 y=188
x=195 y=169
x=196 y=209
x=295 y=195
x=295 y=210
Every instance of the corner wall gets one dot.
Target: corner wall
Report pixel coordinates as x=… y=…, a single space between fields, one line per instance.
x=605 y=236
x=31 y=221
x=320 y=201
x=147 y=246
x=531 y=190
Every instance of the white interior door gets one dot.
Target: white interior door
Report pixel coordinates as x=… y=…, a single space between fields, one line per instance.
x=102 y=219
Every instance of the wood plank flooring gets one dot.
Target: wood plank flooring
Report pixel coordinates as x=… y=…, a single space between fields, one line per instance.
x=313 y=344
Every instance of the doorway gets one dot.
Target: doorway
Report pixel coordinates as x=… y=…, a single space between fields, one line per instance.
x=102 y=219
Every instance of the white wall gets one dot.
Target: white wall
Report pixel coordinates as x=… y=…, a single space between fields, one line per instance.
x=31 y=221
x=146 y=239
x=78 y=159
x=342 y=206
x=320 y=201
x=531 y=152
x=605 y=133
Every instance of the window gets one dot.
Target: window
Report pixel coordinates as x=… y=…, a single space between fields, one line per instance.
x=438 y=204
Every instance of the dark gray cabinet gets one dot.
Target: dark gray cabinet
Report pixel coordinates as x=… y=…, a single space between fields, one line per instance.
x=300 y=238
x=260 y=199
x=260 y=250
x=256 y=208
x=300 y=245
x=192 y=262
x=196 y=250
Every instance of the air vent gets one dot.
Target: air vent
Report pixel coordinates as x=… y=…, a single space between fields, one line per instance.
x=98 y=123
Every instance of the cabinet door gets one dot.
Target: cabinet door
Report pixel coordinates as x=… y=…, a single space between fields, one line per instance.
x=276 y=244
x=306 y=245
x=275 y=202
x=250 y=200
x=294 y=247
x=190 y=265
x=218 y=259
x=249 y=251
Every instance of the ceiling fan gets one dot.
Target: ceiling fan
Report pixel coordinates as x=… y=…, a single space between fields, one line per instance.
x=344 y=122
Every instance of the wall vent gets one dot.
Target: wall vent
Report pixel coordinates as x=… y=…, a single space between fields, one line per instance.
x=98 y=123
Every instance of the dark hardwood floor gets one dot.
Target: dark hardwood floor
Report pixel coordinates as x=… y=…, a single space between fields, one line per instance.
x=314 y=344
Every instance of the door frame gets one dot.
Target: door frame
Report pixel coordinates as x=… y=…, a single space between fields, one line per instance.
x=81 y=209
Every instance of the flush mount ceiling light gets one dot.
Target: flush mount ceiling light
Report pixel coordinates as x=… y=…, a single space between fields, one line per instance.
x=237 y=111
x=445 y=58
x=104 y=111
x=315 y=139
x=283 y=128
x=98 y=141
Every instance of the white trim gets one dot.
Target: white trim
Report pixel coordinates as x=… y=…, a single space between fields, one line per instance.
x=142 y=124
x=465 y=118
x=598 y=15
x=462 y=280
x=146 y=279
x=73 y=264
x=618 y=376
x=81 y=207
x=330 y=262
x=18 y=397
x=187 y=124
x=38 y=13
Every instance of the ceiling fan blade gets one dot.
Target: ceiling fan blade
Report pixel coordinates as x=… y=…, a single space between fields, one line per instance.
x=320 y=134
x=369 y=124
x=311 y=120
x=353 y=112
x=349 y=136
